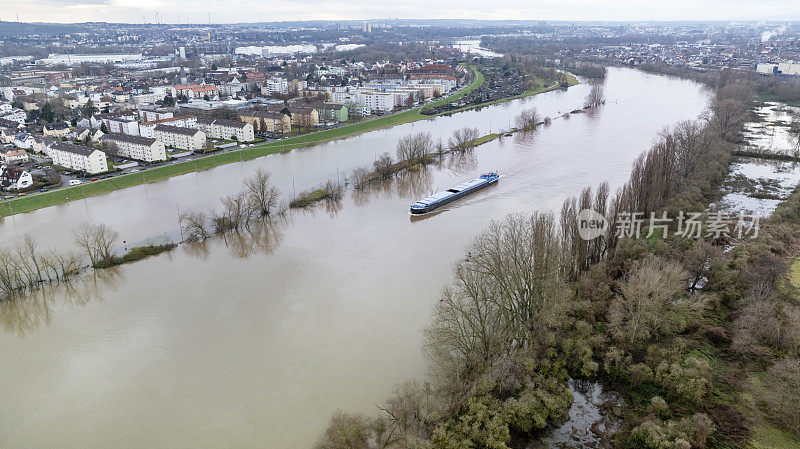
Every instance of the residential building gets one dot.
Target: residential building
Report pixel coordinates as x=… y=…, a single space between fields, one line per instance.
x=150 y=115
x=14 y=178
x=361 y=110
x=162 y=91
x=15 y=156
x=448 y=83
x=147 y=129
x=267 y=121
x=304 y=116
x=18 y=115
x=74 y=102
x=275 y=86
x=24 y=140
x=377 y=101
x=234 y=87
x=76 y=157
x=120 y=123
x=226 y=129
x=41 y=145
x=199 y=91
x=137 y=147
x=184 y=138
x=28 y=103
x=335 y=112
x=59 y=130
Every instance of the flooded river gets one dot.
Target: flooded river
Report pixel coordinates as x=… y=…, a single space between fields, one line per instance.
x=254 y=340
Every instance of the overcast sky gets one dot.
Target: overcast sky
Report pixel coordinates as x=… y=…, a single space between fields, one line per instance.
x=194 y=11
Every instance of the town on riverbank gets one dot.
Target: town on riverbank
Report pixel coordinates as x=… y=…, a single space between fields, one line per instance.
x=82 y=134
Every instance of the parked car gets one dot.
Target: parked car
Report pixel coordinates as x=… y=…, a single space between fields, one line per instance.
x=94 y=179
x=74 y=182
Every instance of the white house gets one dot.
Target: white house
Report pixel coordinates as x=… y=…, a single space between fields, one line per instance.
x=14 y=178
x=24 y=140
x=184 y=138
x=233 y=87
x=162 y=91
x=17 y=115
x=137 y=147
x=75 y=157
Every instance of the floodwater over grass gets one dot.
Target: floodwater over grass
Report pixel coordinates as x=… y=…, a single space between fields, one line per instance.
x=758 y=185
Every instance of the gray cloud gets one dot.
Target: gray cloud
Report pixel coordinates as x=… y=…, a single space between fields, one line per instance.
x=276 y=10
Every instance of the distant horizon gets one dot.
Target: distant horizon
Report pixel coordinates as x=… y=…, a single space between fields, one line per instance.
x=411 y=20
x=277 y=11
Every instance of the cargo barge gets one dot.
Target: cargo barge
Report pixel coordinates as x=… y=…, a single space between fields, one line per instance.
x=440 y=199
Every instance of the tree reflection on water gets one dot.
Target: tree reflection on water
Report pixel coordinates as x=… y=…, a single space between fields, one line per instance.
x=25 y=312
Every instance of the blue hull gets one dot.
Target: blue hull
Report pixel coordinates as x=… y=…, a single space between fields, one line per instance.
x=440 y=199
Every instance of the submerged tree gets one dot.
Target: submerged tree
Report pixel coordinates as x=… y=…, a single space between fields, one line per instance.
x=463 y=139
x=528 y=119
x=97 y=241
x=261 y=193
x=415 y=147
x=595 y=97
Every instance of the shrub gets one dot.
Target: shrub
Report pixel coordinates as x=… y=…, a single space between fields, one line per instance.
x=539 y=405
x=783 y=385
x=480 y=425
x=688 y=381
x=345 y=431
x=689 y=432
x=658 y=406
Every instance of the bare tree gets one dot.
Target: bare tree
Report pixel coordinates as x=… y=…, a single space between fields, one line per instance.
x=409 y=416
x=333 y=190
x=110 y=148
x=97 y=241
x=527 y=119
x=261 y=193
x=415 y=147
x=383 y=166
x=360 y=178
x=346 y=431
x=463 y=138
x=782 y=384
x=193 y=225
x=235 y=213
x=508 y=294
x=595 y=97
x=652 y=302
x=728 y=110
x=66 y=263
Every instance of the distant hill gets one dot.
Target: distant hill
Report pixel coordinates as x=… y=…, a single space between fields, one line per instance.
x=11 y=29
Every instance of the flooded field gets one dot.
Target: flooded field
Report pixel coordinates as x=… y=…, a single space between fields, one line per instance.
x=758 y=185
